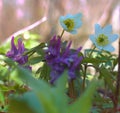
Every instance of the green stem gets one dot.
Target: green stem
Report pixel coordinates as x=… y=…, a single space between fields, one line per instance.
x=92 y=51
x=85 y=71
x=84 y=77
x=71 y=89
x=62 y=33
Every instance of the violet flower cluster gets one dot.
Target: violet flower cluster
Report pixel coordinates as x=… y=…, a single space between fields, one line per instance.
x=60 y=59
x=16 y=53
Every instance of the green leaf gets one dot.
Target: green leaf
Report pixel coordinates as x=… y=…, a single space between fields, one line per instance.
x=88 y=51
x=3 y=72
x=14 y=77
x=115 y=61
x=35 y=60
x=9 y=61
x=107 y=77
x=52 y=99
x=84 y=103
x=2 y=99
x=45 y=72
x=27 y=103
x=41 y=90
x=92 y=60
x=60 y=97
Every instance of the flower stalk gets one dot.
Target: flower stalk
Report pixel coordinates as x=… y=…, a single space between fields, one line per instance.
x=84 y=78
x=62 y=33
x=92 y=51
x=71 y=90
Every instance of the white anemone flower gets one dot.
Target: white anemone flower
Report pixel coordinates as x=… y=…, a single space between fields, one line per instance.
x=103 y=38
x=71 y=23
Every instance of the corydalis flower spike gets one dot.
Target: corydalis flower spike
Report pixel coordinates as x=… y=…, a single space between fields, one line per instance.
x=13 y=50
x=67 y=51
x=55 y=43
x=21 y=48
x=13 y=47
x=65 y=58
x=79 y=49
x=16 y=53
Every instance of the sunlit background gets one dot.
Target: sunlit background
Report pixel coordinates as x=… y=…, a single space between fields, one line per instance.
x=18 y=14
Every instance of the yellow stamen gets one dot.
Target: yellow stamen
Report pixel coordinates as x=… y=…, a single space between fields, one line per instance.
x=69 y=24
x=102 y=40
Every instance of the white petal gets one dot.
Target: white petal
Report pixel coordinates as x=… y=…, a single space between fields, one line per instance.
x=78 y=24
x=61 y=19
x=73 y=31
x=78 y=16
x=68 y=16
x=109 y=48
x=98 y=29
x=99 y=47
x=107 y=29
x=77 y=19
x=92 y=38
x=112 y=37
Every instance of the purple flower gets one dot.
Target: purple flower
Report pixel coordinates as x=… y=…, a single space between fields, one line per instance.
x=61 y=58
x=53 y=50
x=16 y=52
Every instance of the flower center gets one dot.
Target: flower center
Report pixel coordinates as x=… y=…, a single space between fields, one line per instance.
x=69 y=24
x=102 y=40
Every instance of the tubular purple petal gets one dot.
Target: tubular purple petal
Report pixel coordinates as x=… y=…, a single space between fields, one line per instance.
x=13 y=47
x=21 y=48
x=63 y=59
x=16 y=53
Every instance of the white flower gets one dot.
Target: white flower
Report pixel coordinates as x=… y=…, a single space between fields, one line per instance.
x=103 y=38
x=71 y=23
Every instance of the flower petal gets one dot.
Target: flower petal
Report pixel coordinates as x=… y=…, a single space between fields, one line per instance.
x=99 y=47
x=77 y=19
x=92 y=38
x=78 y=16
x=78 y=24
x=13 y=47
x=112 y=37
x=21 y=48
x=109 y=48
x=107 y=29
x=73 y=31
x=98 y=29
x=73 y=22
x=61 y=19
x=68 y=16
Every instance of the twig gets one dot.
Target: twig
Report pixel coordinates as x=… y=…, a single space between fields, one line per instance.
x=27 y=28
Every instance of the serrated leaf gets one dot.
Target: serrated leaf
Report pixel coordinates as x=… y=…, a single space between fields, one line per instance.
x=93 y=60
x=45 y=72
x=107 y=77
